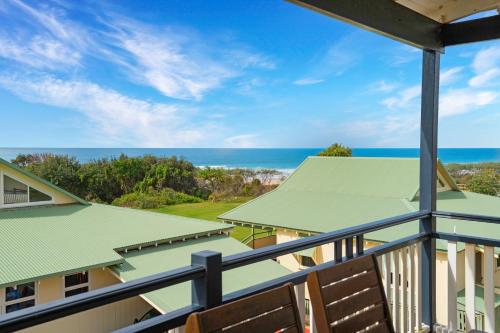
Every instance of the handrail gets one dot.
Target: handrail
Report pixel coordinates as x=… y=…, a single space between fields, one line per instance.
x=270 y=252
x=467 y=217
x=467 y=239
x=164 y=322
x=46 y=312
x=39 y=314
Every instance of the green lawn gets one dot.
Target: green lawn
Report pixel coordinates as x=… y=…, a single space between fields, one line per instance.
x=208 y=210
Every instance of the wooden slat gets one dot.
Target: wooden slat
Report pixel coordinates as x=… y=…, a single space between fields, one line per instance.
x=291 y=329
x=404 y=290
x=452 y=286
x=270 y=322
x=418 y=280
x=353 y=304
x=470 y=285
x=249 y=307
x=360 y=320
x=344 y=270
x=489 y=289
x=387 y=275
x=348 y=287
x=395 y=290
x=411 y=294
x=317 y=309
x=380 y=328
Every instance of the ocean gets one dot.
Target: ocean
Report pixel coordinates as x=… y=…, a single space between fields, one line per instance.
x=273 y=158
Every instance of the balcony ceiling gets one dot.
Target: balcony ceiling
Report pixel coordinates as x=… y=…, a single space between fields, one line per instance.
x=445 y=11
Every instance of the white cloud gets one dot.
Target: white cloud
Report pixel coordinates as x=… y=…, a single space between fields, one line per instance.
x=167 y=61
x=333 y=61
x=307 y=81
x=482 y=79
x=118 y=119
x=486 y=65
x=450 y=75
x=383 y=86
x=460 y=101
x=393 y=130
x=403 y=98
x=39 y=52
x=241 y=141
x=175 y=61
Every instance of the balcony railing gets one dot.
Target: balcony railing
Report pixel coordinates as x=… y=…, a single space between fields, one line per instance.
x=400 y=259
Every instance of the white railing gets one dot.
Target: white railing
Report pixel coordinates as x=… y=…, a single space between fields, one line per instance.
x=13 y=198
x=456 y=271
x=401 y=278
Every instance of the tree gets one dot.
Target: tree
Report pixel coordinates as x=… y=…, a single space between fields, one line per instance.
x=336 y=150
x=60 y=170
x=486 y=182
x=267 y=175
x=213 y=177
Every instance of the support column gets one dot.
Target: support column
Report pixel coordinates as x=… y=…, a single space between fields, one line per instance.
x=428 y=178
x=207 y=291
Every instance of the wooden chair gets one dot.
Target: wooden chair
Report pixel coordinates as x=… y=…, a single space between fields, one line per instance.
x=271 y=311
x=349 y=297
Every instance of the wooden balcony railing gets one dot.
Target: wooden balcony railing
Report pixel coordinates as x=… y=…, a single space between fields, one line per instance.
x=401 y=259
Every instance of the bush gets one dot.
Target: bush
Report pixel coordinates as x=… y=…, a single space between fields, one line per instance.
x=154 y=199
x=485 y=182
x=336 y=150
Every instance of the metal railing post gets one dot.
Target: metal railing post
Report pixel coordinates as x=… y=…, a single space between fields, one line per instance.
x=428 y=179
x=207 y=291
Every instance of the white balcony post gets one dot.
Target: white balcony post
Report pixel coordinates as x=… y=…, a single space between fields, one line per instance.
x=395 y=291
x=418 y=281
x=470 y=286
x=452 y=286
x=489 y=289
x=404 y=289
x=387 y=275
x=300 y=294
x=411 y=277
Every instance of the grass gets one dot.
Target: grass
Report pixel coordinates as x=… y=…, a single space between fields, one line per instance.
x=208 y=210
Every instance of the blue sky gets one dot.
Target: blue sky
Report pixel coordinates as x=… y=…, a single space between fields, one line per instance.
x=239 y=73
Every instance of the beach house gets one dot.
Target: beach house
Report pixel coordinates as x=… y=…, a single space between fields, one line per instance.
x=54 y=245
x=333 y=193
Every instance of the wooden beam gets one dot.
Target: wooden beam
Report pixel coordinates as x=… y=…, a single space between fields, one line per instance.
x=478 y=30
x=385 y=17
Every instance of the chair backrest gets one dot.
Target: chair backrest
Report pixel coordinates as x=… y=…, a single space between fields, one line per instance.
x=271 y=311
x=349 y=297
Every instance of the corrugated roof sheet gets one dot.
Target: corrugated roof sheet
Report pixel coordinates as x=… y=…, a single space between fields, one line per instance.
x=38 y=242
x=327 y=194
x=154 y=260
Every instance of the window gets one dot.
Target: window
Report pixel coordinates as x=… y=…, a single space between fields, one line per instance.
x=14 y=192
x=75 y=284
x=17 y=193
x=18 y=297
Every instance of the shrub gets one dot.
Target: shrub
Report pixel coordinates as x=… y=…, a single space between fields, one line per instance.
x=336 y=150
x=485 y=182
x=154 y=199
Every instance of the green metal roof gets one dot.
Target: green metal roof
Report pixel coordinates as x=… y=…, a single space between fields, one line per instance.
x=43 y=181
x=154 y=260
x=38 y=242
x=479 y=301
x=326 y=194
